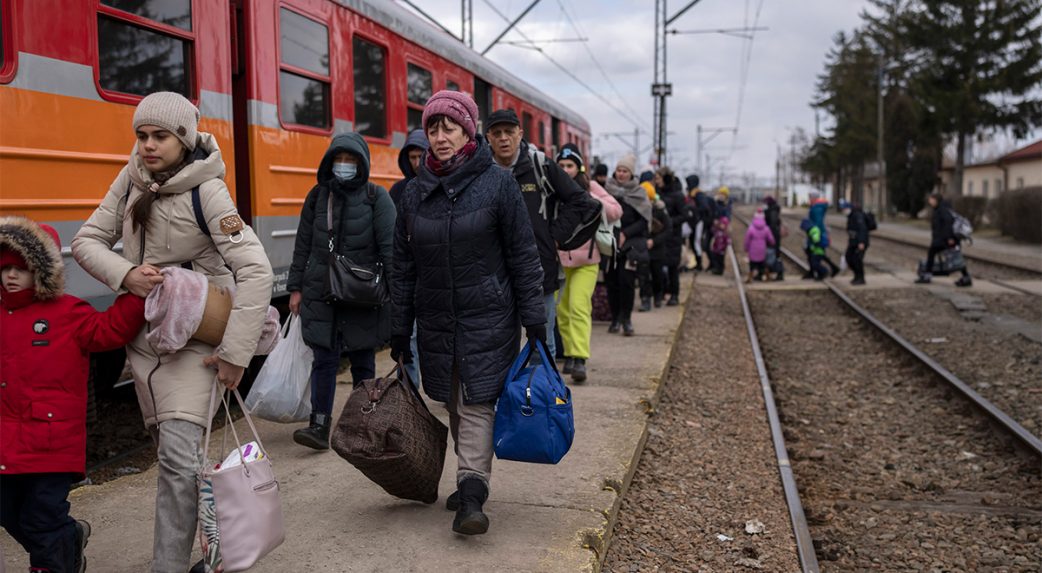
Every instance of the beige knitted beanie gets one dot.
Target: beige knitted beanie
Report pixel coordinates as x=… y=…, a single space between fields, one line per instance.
x=629 y=161
x=172 y=112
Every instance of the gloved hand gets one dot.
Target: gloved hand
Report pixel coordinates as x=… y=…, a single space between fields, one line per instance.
x=401 y=349
x=536 y=332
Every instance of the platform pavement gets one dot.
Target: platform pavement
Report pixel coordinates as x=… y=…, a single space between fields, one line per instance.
x=1023 y=254
x=544 y=518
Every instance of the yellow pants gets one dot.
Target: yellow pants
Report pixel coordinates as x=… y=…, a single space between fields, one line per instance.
x=575 y=310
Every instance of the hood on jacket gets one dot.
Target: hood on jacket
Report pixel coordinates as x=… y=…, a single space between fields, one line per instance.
x=817 y=213
x=416 y=140
x=692 y=182
x=759 y=222
x=204 y=164
x=41 y=254
x=352 y=143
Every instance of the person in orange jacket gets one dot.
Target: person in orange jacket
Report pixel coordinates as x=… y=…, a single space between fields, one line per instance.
x=46 y=338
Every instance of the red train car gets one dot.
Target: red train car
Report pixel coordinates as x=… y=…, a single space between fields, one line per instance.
x=274 y=80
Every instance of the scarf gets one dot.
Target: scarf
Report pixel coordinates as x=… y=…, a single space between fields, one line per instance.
x=16 y=300
x=632 y=194
x=160 y=178
x=443 y=168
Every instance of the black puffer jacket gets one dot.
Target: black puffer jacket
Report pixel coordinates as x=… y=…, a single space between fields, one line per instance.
x=857 y=227
x=363 y=221
x=677 y=208
x=772 y=214
x=661 y=233
x=466 y=267
x=942 y=225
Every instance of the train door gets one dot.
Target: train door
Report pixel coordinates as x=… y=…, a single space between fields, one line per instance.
x=483 y=97
x=240 y=101
x=555 y=134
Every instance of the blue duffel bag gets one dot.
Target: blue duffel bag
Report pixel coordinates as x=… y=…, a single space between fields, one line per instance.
x=534 y=421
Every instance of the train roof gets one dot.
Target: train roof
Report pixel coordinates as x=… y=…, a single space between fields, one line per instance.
x=408 y=25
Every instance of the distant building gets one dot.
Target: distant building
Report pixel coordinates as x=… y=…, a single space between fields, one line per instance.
x=799 y=193
x=1016 y=170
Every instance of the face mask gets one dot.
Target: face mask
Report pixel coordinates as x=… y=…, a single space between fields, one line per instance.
x=345 y=171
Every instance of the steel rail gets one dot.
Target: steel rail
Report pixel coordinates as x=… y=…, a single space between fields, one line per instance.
x=801 y=531
x=1030 y=440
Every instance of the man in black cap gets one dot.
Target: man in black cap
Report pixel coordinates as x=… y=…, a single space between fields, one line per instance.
x=556 y=203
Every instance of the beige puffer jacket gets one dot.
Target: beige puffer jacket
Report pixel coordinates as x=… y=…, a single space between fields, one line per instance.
x=177 y=386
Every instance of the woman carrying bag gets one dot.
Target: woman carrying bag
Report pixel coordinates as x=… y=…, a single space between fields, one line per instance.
x=466 y=268
x=170 y=207
x=362 y=234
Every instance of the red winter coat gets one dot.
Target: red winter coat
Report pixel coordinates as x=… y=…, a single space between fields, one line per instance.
x=44 y=363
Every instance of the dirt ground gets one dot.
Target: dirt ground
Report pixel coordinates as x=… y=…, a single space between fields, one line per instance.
x=708 y=468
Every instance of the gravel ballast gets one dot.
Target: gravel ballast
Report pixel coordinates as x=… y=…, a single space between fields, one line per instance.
x=896 y=471
x=708 y=470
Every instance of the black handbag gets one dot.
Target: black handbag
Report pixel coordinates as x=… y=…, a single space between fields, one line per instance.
x=350 y=284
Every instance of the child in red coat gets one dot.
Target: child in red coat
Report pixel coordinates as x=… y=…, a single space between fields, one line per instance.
x=45 y=340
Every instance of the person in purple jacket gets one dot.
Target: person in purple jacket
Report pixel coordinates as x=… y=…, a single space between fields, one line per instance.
x=757 y=239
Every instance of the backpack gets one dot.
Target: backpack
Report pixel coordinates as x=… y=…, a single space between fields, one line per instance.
x=579 y=223
x=605 y=239
x=870 y=221
x=961 y=227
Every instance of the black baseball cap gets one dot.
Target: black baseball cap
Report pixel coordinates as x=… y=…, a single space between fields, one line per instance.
x=502 y=116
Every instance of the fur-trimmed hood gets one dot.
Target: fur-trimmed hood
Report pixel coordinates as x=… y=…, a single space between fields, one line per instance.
x=41 y=254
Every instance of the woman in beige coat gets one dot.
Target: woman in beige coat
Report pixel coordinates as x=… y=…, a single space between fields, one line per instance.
x=172 y=186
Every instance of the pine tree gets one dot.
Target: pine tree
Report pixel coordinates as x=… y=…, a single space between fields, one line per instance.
x=978 y=65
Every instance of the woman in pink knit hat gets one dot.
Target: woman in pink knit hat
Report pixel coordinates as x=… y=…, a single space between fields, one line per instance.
x=466 y=268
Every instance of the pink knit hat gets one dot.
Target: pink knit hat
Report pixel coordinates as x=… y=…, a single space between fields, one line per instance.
x=457 y=106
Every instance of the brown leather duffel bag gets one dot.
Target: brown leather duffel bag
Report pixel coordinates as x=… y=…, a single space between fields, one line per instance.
x=389 y=434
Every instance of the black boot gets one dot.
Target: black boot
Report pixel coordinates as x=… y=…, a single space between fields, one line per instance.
x=82 y=535
x=316 y=435
x=579 y=371
x=452 y=502
x=658 y=302
x=627 y=328
x=964 y=281
x=569 y=363
x=199 y=567
x=614 y=328
x=645 y=304
x=470 y=520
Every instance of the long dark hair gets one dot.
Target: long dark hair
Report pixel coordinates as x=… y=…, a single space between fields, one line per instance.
x=141 y=211
x=583 y=180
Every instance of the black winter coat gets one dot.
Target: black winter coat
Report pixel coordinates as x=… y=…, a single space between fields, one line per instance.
x=565 y=193
x=661 y=234
x=772 y=215
x=363 y=220
x=678 y=210
x=942 y=225
x=466 y=268
x=857 y=228
x=635 y=228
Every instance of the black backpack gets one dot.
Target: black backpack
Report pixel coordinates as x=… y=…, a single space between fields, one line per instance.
x=576 y=223
x=870 y=221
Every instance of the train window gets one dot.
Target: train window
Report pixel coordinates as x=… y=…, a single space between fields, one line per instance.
x=303 y=101
x=304 y=42
x=526 y=125
x=451 y=85
x=177 y=13
x=304 y=94
x=420 y=89
x=542 y=135
x=135 y=60
x=370 y=88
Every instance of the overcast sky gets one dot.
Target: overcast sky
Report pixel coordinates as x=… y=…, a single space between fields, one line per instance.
x=705 y=70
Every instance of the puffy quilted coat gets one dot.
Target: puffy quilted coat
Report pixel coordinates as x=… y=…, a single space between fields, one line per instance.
x=942 y=224
x=363 y=220
x=757 y=238
x=677 y=208
x=45 y=341
x=179 y=385
x=466 y=267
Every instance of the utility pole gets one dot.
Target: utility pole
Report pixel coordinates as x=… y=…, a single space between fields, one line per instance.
x=660 y=89
x=881 y=172
x=713 y=131
x=467 y=27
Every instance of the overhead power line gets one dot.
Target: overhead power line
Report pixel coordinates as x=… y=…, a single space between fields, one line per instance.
x=747 y=55
x=564 y=69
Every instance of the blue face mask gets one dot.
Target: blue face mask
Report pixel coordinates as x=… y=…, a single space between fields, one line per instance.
x=345 y=171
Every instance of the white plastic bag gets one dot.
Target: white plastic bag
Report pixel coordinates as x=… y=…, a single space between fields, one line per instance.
x=282 y=390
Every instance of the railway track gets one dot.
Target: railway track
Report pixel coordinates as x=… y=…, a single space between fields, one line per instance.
x=1028 y=439
x=843 y=513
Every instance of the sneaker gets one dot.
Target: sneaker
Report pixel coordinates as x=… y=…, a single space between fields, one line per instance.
x=579 y=371
x=567 y=368
x=82 y=536
x=964 y=281
x=614 y=328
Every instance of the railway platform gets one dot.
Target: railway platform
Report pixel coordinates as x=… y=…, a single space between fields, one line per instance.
x=544 y=518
